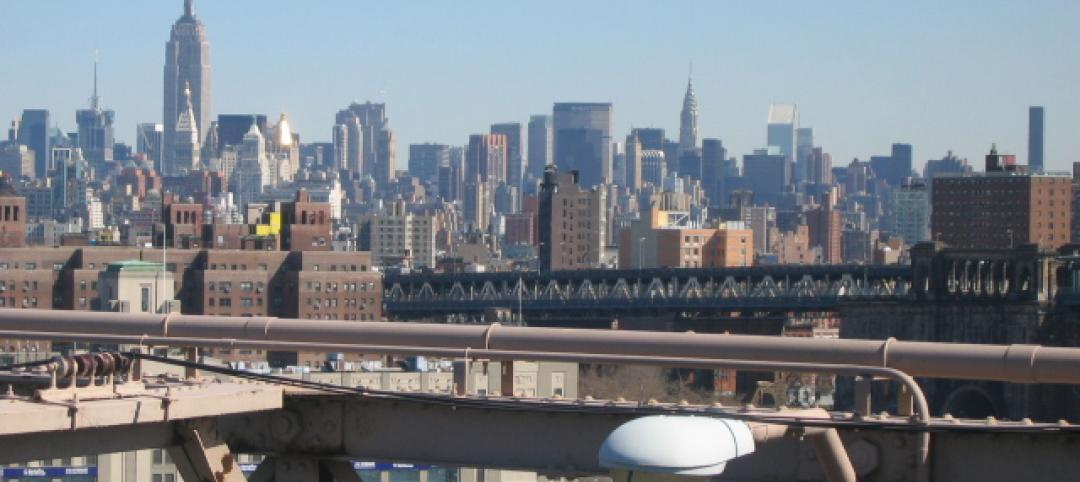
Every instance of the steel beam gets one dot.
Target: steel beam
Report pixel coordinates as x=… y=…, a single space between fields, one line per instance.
x=1010 y=363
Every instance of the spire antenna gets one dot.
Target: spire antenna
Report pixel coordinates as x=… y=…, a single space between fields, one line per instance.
x=189 y=8
x=95 y=101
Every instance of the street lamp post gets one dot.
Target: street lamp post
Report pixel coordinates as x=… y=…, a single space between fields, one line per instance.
x=640 y=253
x=539 y=251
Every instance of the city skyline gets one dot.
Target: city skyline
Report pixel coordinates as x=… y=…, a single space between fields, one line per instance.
x=971 y=89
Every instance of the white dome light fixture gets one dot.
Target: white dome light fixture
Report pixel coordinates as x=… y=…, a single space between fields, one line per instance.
x=675 y=446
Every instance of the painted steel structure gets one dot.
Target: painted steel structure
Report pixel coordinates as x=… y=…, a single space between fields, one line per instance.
x=648 y=291
x=317 y=425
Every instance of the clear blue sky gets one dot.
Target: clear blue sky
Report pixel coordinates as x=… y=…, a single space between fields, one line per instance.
x=941 y=75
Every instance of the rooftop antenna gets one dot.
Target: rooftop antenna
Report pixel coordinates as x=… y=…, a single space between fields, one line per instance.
x=95 y=101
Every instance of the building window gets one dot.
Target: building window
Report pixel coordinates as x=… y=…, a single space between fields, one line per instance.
x=145 y=290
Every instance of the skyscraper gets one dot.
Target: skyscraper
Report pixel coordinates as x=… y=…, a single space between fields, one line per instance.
x=1035 y=138
x=515 y=166
x=804 y=146
x=767 y=172
x=34 y=133
x=713 y=170
x=540 y=150
x=783 y=120
x=187 y=63
x=486 y=158
x=633 y=162
x=688 y=120
x=582 y=139
x=148 y=141
x=372 y=137
x=651 y=138
x=96 y=129
x=895 y=167
x=426 y=159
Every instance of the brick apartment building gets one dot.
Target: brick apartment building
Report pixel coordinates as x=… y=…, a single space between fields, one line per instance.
x=1002 y=208
x=324 y=285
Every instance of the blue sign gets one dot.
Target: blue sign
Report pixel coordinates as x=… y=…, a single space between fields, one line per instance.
x=25 y=472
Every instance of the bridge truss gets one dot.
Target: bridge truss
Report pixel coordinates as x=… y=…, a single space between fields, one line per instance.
x=644 y=292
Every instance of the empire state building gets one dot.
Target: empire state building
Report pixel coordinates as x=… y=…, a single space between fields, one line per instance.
x=187 y=63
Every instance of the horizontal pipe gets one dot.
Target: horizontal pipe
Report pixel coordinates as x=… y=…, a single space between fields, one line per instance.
x=1010 y=363
x=921 y=407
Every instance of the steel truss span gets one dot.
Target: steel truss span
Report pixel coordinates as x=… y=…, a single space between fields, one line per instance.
x=649 y=291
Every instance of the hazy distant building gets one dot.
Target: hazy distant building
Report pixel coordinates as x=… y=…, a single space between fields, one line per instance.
x=231 y=128
x=688 y=121
x=426 y=159
x=894 y=168
x=476 y=204
x=714 y=169
x=632 y=161
x=804 y=147
x=34 y=133
x=572 y=222
x=651 y=138
x=17 y=161
x=582 y=140
x=148 y=141
x=486 y=158
x=783 y=120
x=252 y=172
x=540 y=148
x=187 y=68
x=767 y=172
x=372 y=138
x=819 y=167
x=911 y=204
x=1036 y=116
x=515 y=162
x=950 y=164
x=653 y=167
x=95 y=125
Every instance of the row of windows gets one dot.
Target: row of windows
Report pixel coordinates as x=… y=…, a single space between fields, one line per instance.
x=341 y=267
x=227 y=302
x=28 y=302
x=332 y=286
x=346 y=316
x=13 y=285
x=237 y=267
x=28 y=265
x=226 y=286
x=317 y=303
